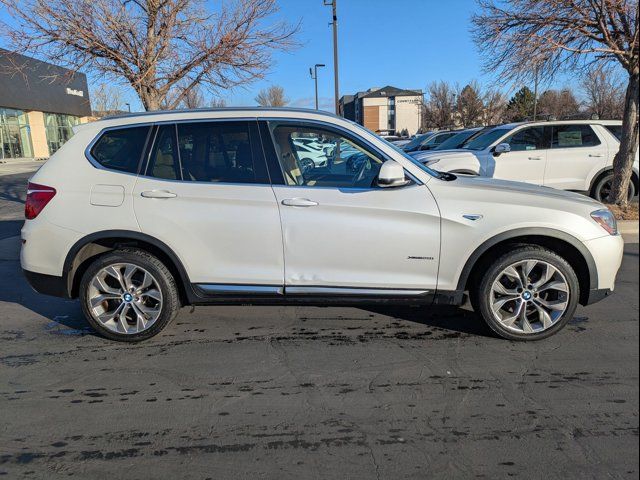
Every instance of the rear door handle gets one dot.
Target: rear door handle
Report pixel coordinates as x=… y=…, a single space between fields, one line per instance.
x=596 y=155
x=535 y=158
x=158 y=194
x=299 y=202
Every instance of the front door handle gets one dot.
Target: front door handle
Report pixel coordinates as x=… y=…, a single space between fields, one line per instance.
x=299 y=202
x=158 y=194
x=535 y=158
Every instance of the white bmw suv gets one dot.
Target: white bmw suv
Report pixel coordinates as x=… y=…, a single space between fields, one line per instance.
x=139 y=215
x=572 y=155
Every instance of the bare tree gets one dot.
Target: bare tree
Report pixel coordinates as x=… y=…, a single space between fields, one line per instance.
x=439 y=106
x=154 y=45
x=272 y=97
x=495 y=106
x=218 y=103
x=469 y=105
x=106 y=99
x=558 y=103
x=604 y=93
x=193 y=99
x=525 y=38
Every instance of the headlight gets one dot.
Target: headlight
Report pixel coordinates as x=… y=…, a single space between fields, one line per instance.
x=606 y=220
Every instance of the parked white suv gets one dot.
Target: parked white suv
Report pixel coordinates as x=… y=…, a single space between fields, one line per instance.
x=572 y=155
x=141 y=214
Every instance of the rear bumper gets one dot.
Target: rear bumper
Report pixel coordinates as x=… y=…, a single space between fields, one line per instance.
x=47 y=284
x=597 y=294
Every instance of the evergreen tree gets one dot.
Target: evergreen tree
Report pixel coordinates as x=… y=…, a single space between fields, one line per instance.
x=520 y=106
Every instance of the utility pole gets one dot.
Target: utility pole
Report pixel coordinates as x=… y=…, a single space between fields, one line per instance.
x=535 y=95
x=314 y=75
x=335 y=51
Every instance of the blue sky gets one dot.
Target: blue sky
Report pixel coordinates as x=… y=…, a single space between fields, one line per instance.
x=405 y=43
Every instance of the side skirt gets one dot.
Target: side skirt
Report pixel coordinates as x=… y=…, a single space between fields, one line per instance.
x=216 y=294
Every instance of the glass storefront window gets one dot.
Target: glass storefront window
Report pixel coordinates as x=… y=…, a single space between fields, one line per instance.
x=59 y=128
x=15 y=135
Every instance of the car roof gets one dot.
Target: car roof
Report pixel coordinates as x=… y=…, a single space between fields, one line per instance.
x=560 y=122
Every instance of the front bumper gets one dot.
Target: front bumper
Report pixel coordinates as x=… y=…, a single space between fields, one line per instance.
x=597 y=294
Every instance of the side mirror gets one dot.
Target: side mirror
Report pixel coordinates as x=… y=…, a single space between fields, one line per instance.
x=502 y=148
x=391 y=175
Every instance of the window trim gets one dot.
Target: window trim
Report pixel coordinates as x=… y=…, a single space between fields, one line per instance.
x=328 y=126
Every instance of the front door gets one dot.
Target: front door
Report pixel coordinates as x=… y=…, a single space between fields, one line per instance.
x=340 y=229
x=527 y=159
x=206 y=194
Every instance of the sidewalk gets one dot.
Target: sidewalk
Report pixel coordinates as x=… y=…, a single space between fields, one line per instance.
x=11 y=166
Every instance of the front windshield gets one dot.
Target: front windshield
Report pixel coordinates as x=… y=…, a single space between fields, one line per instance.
x=415 y=142
x=483 y=141
x=456 y=141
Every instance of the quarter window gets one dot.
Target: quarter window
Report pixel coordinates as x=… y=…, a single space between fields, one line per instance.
x=339 y=162
x=571 y=136
x=616 y=130
x=121 y=149
x=533 y=138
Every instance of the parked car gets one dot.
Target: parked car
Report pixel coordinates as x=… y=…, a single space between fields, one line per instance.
x=459 y=139
x=572 y=155
x=141 y=214
x=427 y=141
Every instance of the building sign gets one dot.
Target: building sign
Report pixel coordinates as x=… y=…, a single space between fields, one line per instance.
x=73 y=91
x=409 y=100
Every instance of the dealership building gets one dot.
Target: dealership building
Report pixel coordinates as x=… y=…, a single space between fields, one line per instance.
x=40 y=104
x=387 y=110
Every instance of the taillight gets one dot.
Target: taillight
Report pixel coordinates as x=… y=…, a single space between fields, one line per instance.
x=37 y=198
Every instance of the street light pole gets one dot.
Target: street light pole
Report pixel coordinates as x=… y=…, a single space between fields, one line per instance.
x=334 y=23
x=314 y=74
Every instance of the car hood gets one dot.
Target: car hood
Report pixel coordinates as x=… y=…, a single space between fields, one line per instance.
x=424 y=156
x=487 y=186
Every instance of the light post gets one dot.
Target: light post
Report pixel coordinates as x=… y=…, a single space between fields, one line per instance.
x=334 y=23
x=314 y=75
x=128 y=107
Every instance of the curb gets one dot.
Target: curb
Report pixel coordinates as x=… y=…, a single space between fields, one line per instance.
x=628 y=226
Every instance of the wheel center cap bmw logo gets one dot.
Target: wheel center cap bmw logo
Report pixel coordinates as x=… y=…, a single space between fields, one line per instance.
x=527 y=295
x=127 y=297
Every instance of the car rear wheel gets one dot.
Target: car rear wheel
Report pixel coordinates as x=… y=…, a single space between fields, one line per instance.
x=128 y=295
x=529 y=293
x=603 y=188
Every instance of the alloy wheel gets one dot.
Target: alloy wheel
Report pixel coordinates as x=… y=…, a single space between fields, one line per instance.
x=125 y=298
x=529 y=296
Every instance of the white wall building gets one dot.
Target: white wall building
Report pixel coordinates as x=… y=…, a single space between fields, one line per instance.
x=385 y=110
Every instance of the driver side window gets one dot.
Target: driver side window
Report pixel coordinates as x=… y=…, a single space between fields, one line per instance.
x=315 y=157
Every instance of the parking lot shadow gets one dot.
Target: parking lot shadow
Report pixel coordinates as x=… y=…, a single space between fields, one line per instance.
x=455 y=319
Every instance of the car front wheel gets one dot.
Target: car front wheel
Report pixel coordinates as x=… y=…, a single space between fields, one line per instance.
x=529 y=293
x=128 y=295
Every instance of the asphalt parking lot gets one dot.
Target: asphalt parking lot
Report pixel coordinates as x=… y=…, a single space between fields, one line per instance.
x=292 y=392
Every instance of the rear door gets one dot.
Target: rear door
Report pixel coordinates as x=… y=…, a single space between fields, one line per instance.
x=205 y=193
x=576 y=152
x=527 y=159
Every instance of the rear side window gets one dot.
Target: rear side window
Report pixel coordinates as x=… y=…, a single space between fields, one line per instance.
x=163 y=161
x=216 y=152
x=121 y=149
x=572 y=136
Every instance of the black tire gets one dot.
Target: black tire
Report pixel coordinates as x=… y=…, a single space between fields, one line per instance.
x=163 y=277
x=481 y=295
x=602 y=188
